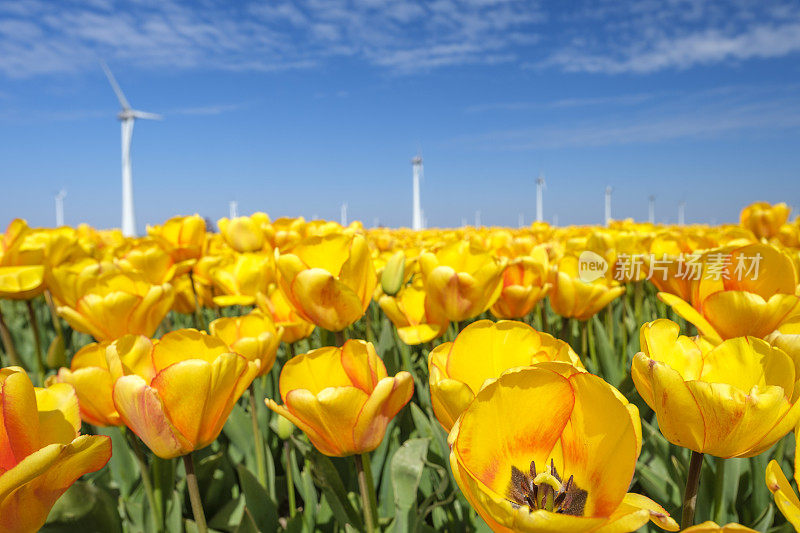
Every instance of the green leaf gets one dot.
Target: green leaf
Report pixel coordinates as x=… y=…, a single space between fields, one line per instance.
x=407 y=465
x=84 y=506
x=123 y=466
x=259 y=504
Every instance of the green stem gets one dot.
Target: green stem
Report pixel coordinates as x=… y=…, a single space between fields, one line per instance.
x=584 y=334
x=592 y=348
x=365 y=484
x=339 y=338
x=563 y=333
x=37 y=342
x=194 y=494
x=258 y=440
x=290 y=350
x=610 y=324
x=8 y=343
x=719 y=491
x=690 y=494
x=147 y=483
x=288 y=452
x=53 y=314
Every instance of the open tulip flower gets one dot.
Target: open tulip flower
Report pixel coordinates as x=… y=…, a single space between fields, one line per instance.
x=752 y=293
x=524 y=285
x=177 y=399
x=735 y=399
x=117 y=304
x=253 y=335
x=571 y=297
x=41 y=450
x=461 y=280
x=153 y=262
x=764 y=219
x=182 y=237
x=406 y=309
x=239 y=278
x=563 y=467
x=342 y=398
x=481 y=352
x=328 y=279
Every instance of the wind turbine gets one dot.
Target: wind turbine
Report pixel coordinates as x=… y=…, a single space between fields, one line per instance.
x=416 y=214
x=651 y=209
x=127 y=117
x=344 y=215
x=609 y=190
x=540 y=185
x=60 y=207
x=233 y=209
x=681 y=213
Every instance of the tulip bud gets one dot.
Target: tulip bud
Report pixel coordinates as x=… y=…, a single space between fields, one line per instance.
x=283 y=427
x=56 y=353
x=393 y=274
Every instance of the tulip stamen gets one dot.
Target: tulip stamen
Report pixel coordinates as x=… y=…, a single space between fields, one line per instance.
x=545 y=491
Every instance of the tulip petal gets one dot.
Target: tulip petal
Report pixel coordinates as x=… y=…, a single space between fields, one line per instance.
x=326 y=301
x=29 y=490
x=783 y=493
x=198 y=396
x=19 y=419
x=93 y=386
x=142 y=410
x=390 y=395
x=685 y=310
x=59 y=414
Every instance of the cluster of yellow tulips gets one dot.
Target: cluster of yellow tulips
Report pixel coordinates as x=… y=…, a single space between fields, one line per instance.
x=592 y=379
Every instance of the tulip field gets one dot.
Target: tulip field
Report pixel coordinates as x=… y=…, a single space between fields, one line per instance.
x=292 y=375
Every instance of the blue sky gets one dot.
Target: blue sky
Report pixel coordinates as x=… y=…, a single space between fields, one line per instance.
x=293 y=107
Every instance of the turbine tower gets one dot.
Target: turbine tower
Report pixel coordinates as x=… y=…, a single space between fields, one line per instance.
x=539 y=188
x=233 y=209
x=651 y=210
x=127 y=117
x=609 y=190
x=681 y=213
x=60 y=207
x=344 y=215
x=416 y=220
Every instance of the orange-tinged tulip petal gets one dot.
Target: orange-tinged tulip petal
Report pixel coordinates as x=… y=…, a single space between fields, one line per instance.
x=142 y=410
x=253 y=335
x=586 y=430
x=341 y=398
x=19 y=419
x=735 y=399
x=327 y=302
x=29 y=490
x=713 y=527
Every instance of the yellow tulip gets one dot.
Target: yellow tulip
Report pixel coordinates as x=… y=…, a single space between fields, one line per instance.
x=551 y=448
x=284 y=315
x=179 y=400
x=461 y=280
x=241 y=277
x=21 y=273
x=182 y=237
x=328 y=279
x=68 y=282
x=735 y=399
x=742 y=291
x=481 y=352
x=524 y=285
x=763 y=219
x=155 y=264
x=713 y=527
x=342 y=398
x=407 y=311
x=253 y=335
x=572 y=297
x=244 y=234
x=117 y=304
x=93 y=382
x=41 y=450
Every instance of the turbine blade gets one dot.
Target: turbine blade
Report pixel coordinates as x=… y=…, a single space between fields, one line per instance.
x=114 y=85
x=147 y=116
